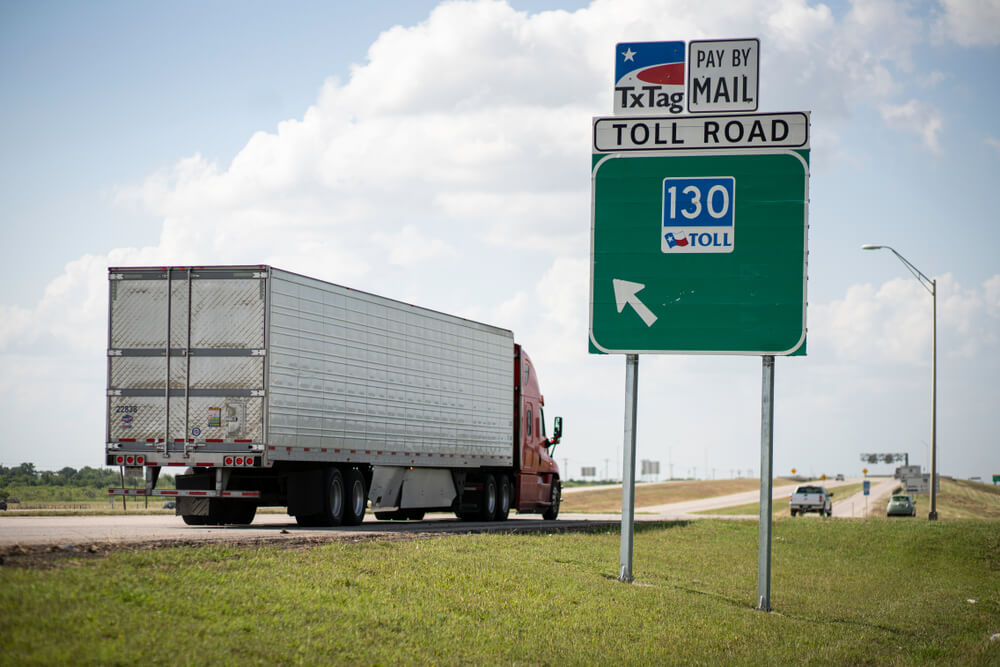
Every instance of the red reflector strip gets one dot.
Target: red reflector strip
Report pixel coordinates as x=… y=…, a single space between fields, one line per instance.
x=204 y=464
x=168 y=493
x=126 y=439
x=198 y=493
x=242 y=440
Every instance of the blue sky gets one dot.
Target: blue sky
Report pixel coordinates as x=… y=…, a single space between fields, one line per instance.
x=391 y=146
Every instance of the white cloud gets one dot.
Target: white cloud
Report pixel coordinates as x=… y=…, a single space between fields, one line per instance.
x=994 y=143
x=970 y=22
x=892 y=324
x=918 y=117
x=408 y=246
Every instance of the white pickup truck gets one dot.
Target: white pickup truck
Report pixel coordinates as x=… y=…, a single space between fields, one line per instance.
x=811 y=499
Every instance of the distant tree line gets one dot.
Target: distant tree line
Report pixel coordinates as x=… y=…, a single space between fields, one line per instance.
x=25 y=475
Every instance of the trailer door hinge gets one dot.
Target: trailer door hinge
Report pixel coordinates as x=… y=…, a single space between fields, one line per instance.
x=256 y=392
x=258 y=353
x=114 y=353
x=114 y=392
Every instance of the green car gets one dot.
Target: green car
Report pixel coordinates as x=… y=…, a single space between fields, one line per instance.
x=901 y=506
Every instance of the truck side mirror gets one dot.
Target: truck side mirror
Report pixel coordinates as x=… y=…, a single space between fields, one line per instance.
x=557 y=428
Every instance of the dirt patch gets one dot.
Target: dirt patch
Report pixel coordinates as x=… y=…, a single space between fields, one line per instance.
x=67 y=554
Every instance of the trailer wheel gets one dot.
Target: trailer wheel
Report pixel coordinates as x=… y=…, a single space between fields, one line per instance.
x=334 y=498
x=552 y=511
x=195 y=520
x=238 y=512
x=503 y=498
x=356 y=498
x=488 y=499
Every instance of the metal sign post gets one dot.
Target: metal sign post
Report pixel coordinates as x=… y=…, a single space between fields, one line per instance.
x=766 y=483
x=628 y=473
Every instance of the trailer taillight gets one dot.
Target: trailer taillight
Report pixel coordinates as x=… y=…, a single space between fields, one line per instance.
x=140 y=459
x=120 y=460
x=229 y=460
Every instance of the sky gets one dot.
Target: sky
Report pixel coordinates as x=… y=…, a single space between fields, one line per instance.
x=439 y=153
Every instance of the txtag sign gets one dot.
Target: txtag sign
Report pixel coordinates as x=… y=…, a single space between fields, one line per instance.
x=649 y=78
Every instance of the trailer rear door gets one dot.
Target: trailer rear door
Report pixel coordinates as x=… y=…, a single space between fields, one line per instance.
x=204 y=328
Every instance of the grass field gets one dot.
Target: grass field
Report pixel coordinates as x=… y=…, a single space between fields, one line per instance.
x=850 y=592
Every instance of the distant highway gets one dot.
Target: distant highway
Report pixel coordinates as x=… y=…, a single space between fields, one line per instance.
x=134 y=529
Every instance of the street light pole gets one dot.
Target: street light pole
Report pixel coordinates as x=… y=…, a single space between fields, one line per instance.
x=930 y=286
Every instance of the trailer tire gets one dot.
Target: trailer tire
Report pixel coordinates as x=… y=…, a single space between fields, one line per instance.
x=240 y=513
x=503 y=498
x=334 y=498
x=552 y=511
x=488 y=499
x=195 y=520
x=355 y=498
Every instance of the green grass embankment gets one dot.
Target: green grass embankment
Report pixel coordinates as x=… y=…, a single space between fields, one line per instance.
x=877 y=592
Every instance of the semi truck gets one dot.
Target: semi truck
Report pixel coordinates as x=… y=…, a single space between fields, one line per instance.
x=273 y=389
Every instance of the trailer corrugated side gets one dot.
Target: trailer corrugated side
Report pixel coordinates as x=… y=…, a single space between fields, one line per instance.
x=289 y=368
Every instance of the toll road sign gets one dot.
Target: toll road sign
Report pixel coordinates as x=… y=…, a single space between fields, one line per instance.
x=699 y=252
x=702 y=207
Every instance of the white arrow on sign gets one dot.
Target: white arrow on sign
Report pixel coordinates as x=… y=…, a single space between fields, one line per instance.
x=625 y=293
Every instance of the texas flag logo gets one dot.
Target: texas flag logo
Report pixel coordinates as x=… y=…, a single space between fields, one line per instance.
x=649 y=78
x=676 y=239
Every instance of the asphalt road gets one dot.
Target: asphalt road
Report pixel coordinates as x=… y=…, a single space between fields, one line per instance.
x=135 y=529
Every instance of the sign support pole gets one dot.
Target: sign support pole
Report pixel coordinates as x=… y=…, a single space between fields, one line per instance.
x=628 y=468
x=766 y=483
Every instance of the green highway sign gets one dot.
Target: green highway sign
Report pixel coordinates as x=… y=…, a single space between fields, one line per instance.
x=699 y=251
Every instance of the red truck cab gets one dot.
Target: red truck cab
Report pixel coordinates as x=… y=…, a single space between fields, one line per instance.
x=537 y=484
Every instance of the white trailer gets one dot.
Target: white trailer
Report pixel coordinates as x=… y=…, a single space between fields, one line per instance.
x=272 y=388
